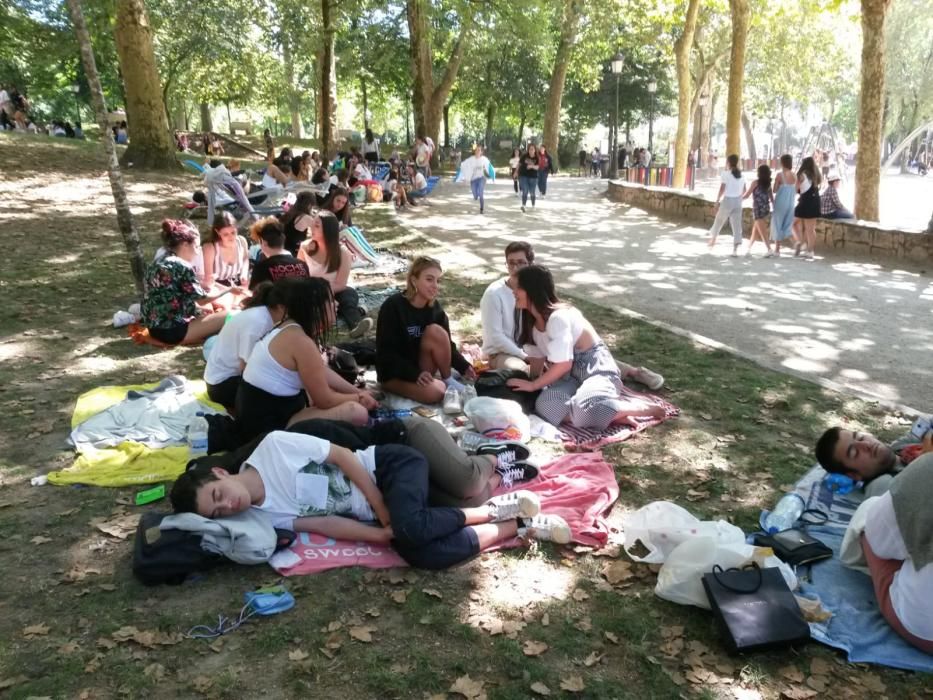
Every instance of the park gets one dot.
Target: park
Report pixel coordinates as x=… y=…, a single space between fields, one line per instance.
x=554 y=348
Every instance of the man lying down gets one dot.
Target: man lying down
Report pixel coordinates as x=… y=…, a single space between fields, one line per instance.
x=377 y=494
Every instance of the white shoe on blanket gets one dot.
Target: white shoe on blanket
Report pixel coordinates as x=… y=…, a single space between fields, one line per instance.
x=515 y=504
x=546 y=528
x=652 y=380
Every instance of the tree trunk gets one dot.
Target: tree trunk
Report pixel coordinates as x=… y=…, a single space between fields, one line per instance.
x=328 y=82
x=365 y=102
x=179 y=116
x=207 y=124
x=555 y=91
x=408 y=124
x=447 y=125
x=697 y=127
x=490 y=118
x=706 y=137
x=871 y=106
x=125 y=220
x=682 y=48
x=521 y=126
x=294 y=99
x=151 y=143
x=749 y=137
x=740 y=14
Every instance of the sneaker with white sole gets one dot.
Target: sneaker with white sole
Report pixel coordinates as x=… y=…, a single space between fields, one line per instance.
x=652 y=380
x=515 y=504
x=362 y=328
x=517 y=473
x=546 y=528
x=506 y=453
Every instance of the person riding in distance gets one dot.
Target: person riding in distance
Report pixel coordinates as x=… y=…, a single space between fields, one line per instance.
x=286 y=378
x=578 y=377
x=171 y=309
x=307 y=484
x=413 y=339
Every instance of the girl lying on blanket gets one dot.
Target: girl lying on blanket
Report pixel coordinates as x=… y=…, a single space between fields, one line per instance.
x=286 y=372
x=578 y=378
x=174 y=308
x=413 y=339
x=307 y=484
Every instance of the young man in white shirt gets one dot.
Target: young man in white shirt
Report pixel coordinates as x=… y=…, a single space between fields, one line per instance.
x=499 y=318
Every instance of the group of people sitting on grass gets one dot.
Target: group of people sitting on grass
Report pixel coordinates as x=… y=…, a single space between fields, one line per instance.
x=789 y=223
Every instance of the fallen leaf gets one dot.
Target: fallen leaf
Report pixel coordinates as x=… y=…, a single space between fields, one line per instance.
x=584 y=624
x=511 y=628
x=39 y=630
x=694 y=495
x=362 y=633
x=94 y=664
x=820 y=667
x=572 y=684
x=706 y=416
x=791 y=673
x=534 y=648
x=433 y=593
x=872 y=682
x=468 y=688
x=818 y=683
x=611 y=637
x=201 y=683
x=593 y=659
x=327 y=652
x=579 y=594
x=155 y=671
x=10 y=682
x=297 y=655
x=40 y=539
x=798 y=693
x=618 y=571
x=672 y=631
x=672 y=647
x=334 y=626
x=373 y=612
x=538 y=688
x=107 y=587
x=69 y=648
x=105 y=643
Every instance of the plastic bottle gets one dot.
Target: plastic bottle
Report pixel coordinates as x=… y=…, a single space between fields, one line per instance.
x=785 y=514
x=469 y=392
x=452 y=403
x=921 y=426
x=840 y=483
x=381 y=415
x=197 y=435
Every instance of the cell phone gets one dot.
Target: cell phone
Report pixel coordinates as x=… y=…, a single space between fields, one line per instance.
x=425 y=412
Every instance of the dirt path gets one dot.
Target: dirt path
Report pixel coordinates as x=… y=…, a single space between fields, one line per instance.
x=865 y=326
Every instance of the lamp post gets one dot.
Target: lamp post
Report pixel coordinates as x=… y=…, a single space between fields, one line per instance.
x=75 y=89
x=618 y=62
x=652 y=88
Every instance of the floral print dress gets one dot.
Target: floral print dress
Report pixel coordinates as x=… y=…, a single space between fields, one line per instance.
x=173 y=290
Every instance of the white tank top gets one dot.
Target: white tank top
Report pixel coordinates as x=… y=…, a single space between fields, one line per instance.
x=320 y=269
x=264 y=372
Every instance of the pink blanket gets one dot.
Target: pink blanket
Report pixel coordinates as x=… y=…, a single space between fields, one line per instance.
x=578 y=487
x=586 y=439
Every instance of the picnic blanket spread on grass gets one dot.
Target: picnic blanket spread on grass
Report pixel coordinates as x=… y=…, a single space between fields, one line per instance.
x=857 y=626
x=126 y=462
x=580 y=488
x=586 y=439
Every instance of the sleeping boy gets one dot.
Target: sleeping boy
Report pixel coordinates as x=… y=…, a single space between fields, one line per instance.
x=307 y=484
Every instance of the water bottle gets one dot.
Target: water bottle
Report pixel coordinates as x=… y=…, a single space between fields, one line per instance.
x=383 y=415
x=197 y=435
x=921 y=426
x=469 y=392
x=785 y=514
x=840 y=483
x=452 y=403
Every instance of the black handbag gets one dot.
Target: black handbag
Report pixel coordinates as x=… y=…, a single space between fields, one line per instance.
x=795 y=547
x=754 y=608
x=492 y=383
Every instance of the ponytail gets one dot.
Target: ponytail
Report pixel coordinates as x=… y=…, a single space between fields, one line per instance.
x=733 y=161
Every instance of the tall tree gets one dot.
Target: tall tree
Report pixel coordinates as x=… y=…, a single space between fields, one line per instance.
x=124 y=216
x=871 y=110
x=570 y=16
x=328 y=67
x=682 y=47
x=150 y=140
x=740 y=18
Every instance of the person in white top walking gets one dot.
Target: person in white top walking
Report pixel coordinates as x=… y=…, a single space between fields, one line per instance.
x=477 y=168
x=500 y=320
x=730 y=192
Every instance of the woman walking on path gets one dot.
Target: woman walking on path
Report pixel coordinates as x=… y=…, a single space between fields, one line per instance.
x=528 y=174
x=513 y=167
x=545 y=168
x=476 y=168
x=762 y=199
x=785 y=187
x=808 y=205
x=730 y=192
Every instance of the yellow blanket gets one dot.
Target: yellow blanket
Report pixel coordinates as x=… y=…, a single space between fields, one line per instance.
x=128 y=463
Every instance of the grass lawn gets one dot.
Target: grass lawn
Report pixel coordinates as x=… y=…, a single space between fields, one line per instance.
x=76 y=624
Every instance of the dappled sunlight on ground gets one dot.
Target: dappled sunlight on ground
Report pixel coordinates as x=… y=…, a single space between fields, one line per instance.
x=860 y=323
x=510 y=585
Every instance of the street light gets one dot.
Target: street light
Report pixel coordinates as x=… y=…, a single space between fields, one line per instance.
x=75 y=88
x=618 y=63
x=652 y=88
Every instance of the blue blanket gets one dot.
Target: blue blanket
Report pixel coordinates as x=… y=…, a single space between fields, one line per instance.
x=856 y=626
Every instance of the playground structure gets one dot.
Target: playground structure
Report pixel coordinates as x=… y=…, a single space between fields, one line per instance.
x=923 y=154
x=825 y=139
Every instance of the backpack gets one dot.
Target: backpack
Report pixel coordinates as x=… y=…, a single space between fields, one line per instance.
x=168 y=556
x=492 y=383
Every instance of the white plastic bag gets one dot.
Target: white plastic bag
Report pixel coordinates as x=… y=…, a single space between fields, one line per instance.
x=680 y=579
x=661 y=526
x=499 y=419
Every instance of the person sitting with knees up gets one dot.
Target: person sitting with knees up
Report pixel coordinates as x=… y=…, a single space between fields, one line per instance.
x=286 y=378
x=413 y=339
x=578 y=378
x=172 y=308
x=306 y=484
x=226 y=258
x=275 y=262
x=500 y=318
x=327 y=259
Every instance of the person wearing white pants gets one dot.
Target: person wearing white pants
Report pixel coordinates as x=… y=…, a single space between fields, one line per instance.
x=730 y=192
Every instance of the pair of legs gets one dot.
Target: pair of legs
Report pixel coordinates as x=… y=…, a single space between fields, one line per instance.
x=759 y=231
x=478 y=186
x=730 y=208
x=433 y=356
x=401 y=196
x=805 y=230
x=529 y=185
x=542 y=181
x=514 y=175
x=882 y=576
x=348 y=306
x=194 y=332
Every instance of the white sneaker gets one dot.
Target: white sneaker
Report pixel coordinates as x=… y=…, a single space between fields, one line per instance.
x=652 y=380
x=452 y=401
x=547 y=528
x=514 y=504
x=361 y=328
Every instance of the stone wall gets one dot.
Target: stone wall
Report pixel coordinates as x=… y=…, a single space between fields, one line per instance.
x=854 y=238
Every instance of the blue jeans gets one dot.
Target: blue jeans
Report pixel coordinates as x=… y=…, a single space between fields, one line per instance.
x=425 y=537
x=529 y=184
x=477 y=186
x=542 y=181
